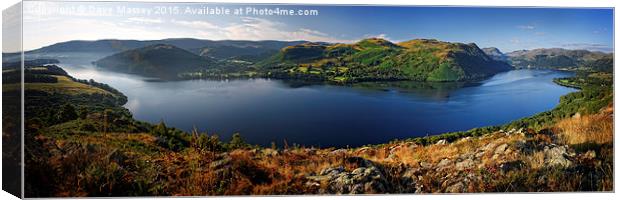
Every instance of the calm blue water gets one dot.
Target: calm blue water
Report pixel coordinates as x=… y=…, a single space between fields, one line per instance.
x=325 y=115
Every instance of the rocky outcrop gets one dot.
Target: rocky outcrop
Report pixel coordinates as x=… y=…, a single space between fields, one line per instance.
x=464 y=165
x=560 y=156
x=365 y=178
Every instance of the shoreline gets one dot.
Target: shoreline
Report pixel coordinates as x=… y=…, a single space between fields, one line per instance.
x=463 y=133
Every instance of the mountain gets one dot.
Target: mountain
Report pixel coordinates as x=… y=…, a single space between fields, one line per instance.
x=553 y=57
x=379 y=59
x=159 y=60
x=244 y=50
x=221 y=49
x=91 y=46
x=495 y=54
x=603 y=64
x=28 y=63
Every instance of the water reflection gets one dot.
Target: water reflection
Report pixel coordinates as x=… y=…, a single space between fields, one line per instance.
x=266 y=110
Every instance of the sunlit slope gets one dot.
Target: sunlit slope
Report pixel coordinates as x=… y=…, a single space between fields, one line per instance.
x=379 y=59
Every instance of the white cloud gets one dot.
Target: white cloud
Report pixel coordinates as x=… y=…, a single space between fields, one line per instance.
x=382 y=36
x=589 y=46
x=252 y=28
x=313 y=32
x=195 y=24
x=526 y=27
x=142 y=20
x=247 y=28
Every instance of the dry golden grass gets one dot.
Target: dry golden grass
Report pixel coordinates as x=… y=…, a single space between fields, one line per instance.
x=119 y=160
x=536 y=160
x=596 y=128
x=63 y=86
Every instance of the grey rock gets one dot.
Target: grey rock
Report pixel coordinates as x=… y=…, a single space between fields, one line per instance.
x=465 y=139
x=590 y=154
x=219 y=163
x=501 y=148
x=479 y=154
x=509 y=166
x=367 y=178
x=456 y=188
x=442 y=142
x=487 y=147
x=425 y=165
x=339 y=151
x=409 y=181
x=558 y=156
x=270 y=152
x=444 y=163
x=363 y=150
x=465 y=164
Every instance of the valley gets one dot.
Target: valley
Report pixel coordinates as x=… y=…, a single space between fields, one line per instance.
x=158 y=145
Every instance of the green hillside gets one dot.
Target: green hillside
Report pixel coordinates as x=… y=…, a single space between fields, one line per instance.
x=378 y=59
x=554 y=58
x=160 y=60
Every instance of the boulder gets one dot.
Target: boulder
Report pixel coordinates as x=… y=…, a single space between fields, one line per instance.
x=458 y=187
x=442 y=142
x=220 y=163
x=465 y=139
x=487 y=147
x=338 y=151
x=363 y=150
x=367 y=178
x=270 y=152
x=444 y=163
x=558 y=156
x=501 y=148
x=590 y=154
x=409 y=181
x=425 y=165
x=465 y=164
x=512 y=165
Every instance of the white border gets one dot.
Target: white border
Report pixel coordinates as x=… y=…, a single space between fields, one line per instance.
x=511 y=3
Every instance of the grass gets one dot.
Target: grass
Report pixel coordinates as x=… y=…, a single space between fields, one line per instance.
x=63 y=86
x=68 y=160
x=136 y=164
x=595 y=128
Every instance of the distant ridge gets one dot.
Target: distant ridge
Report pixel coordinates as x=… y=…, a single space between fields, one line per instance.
x=158 y=60
x=553 y=57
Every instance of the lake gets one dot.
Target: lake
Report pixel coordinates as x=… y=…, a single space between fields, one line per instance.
x=266 y=111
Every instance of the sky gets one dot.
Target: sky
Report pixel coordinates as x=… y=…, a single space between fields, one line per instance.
x=508 y=29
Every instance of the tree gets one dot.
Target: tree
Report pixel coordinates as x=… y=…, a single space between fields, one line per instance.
x=67 y=113
x=160 y=129
x=237 y=142
x=83 y=112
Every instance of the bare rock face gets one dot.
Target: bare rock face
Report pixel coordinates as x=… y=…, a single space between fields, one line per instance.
x=366 y=178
